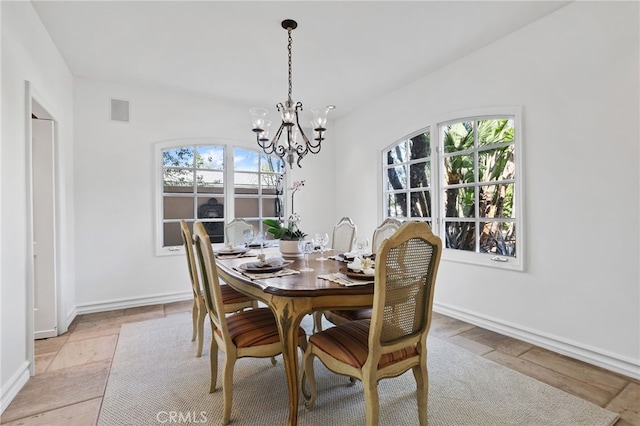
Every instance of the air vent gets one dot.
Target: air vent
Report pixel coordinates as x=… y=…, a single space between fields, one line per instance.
x=119 y=110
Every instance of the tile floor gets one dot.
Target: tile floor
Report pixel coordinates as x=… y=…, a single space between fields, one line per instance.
x=72 y=369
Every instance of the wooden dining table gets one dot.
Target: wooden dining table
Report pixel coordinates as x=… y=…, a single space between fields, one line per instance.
x=292 y=297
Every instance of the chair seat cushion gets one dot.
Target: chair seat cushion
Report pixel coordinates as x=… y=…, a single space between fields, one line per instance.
x=255 y=327
x=353 y=314
x=231 y=296
x=349 y=343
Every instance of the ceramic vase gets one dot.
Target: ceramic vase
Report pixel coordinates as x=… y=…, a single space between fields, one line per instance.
x=289 y=249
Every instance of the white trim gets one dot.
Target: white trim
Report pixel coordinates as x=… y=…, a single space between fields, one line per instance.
x=15 y=383
x=589 y=354
x=133 y=302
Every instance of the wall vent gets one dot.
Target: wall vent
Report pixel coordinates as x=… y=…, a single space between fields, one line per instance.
x=119 y=110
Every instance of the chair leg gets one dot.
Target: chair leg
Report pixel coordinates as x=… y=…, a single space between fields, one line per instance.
x=371 y=401
x=213 y=361
x=194 y=317
x=202 y=314
x=422 y=387
x=317 y=321
x=227 y=386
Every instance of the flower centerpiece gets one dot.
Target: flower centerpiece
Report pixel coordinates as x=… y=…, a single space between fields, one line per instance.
x=288 y=233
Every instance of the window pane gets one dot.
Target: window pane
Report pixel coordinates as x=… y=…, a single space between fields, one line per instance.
x=246 y=207
x=398 y=154
x=177 y=180
x=420 y=174
x=245 y=160
x=458 y=169
x=210 y=157
x=497 y=164
x=271 y=207
x=459 y=202
x=498 y=238
x=269 y=184
x=461 y=235
x=397 y=177
x=397 y=205
x=210 y=208
x=210 y=182
x=494 y=131
x=177 y=207
x=215 y=230
x=421 y=204
x=496 y=201
x=420 y=146
x=458 y=136
x=245 y=183
x=271 y=164
x=171 y=235
x=177 y=157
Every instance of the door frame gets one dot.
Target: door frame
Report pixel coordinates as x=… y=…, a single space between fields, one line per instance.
x=32 y=95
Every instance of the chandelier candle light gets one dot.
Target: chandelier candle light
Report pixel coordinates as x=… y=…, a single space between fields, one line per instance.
x=290 y=121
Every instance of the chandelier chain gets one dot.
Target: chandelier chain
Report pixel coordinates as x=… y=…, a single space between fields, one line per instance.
x=289 y=57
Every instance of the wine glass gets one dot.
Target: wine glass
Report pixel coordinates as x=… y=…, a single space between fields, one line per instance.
x=362 y=246
x=305 y=247
x=321 y=239
x=247 y=235
x=259 y=239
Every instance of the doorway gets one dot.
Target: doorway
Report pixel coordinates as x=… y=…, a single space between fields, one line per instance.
x=43 y=222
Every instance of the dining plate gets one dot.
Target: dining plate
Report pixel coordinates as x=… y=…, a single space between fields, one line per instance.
x=254 y=268
x=356 y=275
x=238 y=250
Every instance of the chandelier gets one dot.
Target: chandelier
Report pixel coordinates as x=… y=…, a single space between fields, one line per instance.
x=290 y=122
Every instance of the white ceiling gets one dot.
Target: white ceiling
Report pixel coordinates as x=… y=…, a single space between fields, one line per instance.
x=344 y=53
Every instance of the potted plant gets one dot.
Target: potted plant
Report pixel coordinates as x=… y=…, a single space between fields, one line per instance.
x=288 y=235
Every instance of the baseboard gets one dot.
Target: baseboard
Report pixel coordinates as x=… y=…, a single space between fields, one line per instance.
x=13 y=386
x=133 y=302
x=613 y=362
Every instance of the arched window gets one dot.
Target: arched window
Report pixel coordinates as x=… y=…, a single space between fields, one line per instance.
x=465 y=182
x=214 y=182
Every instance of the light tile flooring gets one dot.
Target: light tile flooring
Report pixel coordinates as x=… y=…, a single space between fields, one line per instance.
x=72 y=369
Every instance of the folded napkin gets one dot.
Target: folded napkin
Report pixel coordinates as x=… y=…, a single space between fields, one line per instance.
x=230 y=247
x=364 y=265
x=271 y=262
x=263 y=275
x=337 y=257
x=342 y=279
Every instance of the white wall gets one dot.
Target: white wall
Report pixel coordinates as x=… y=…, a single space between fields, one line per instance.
x=575 y=73
x=114 y=176
x=29 y=54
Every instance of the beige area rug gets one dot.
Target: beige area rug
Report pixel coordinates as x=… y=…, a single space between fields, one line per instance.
x=156 y=379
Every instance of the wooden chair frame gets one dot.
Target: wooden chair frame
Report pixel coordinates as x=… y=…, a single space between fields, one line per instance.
x=384 y=336
x=234 y=301
x=222 y=338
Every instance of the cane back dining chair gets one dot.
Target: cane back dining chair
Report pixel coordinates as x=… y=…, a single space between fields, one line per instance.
x=250 y=333
x=234 y=231
x=233 y=300
x=338 y=316
x=395 y=338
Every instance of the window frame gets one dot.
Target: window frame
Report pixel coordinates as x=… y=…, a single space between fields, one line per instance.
x=436 y=188
x=228 y=186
